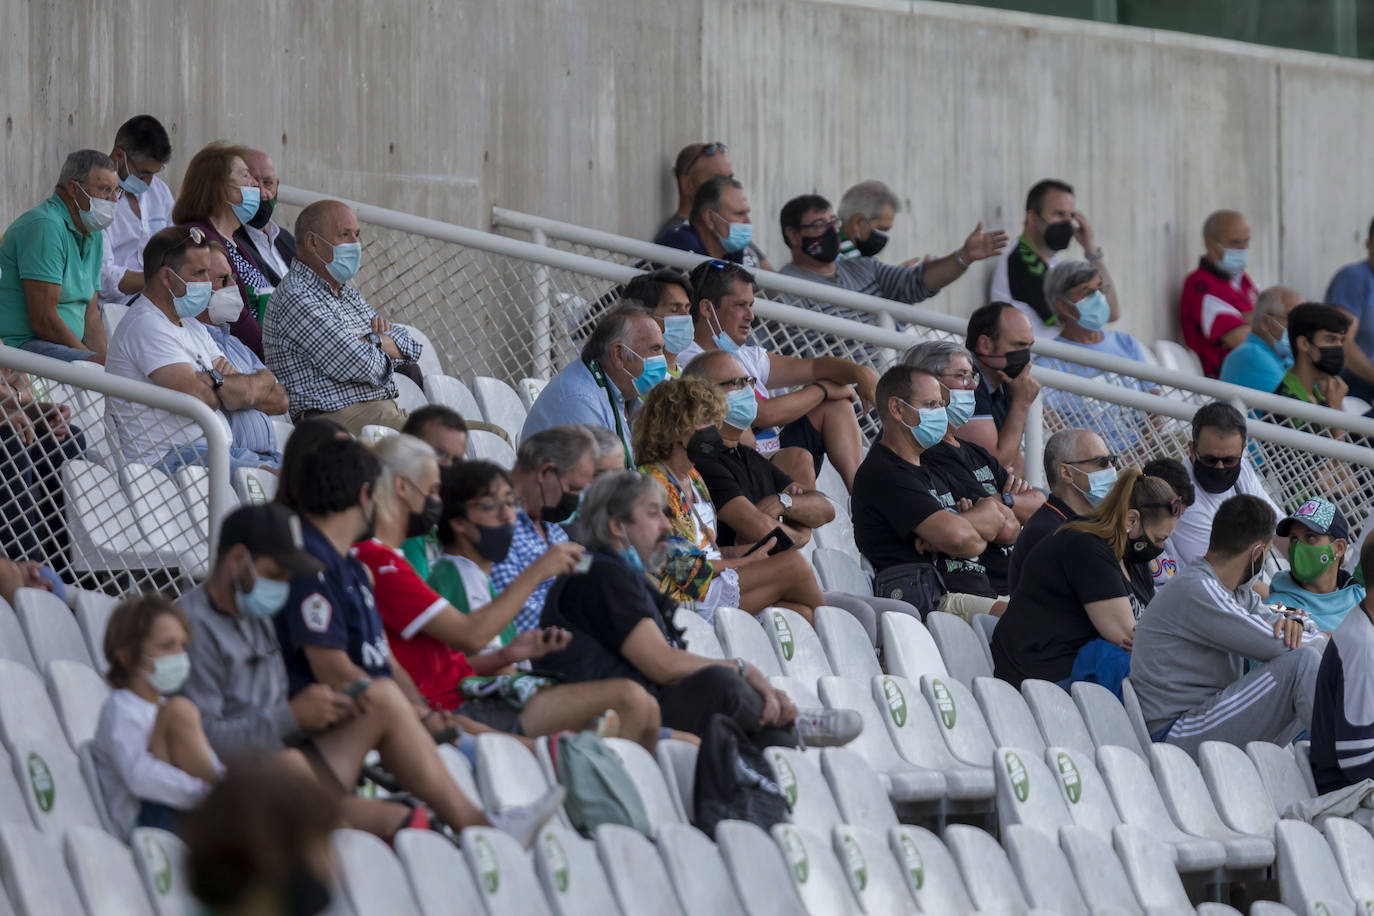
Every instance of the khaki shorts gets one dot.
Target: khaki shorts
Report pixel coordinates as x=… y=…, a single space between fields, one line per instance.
x=382 y=412
x=965 y=606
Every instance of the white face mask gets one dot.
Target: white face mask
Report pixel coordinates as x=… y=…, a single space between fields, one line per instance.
x=225 y=304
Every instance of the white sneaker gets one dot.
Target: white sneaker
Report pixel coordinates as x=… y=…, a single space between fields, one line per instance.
x=828 y=727
x=525 y=821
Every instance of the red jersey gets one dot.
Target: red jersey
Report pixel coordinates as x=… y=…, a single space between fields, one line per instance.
x=405 y=604
x=1212 y=305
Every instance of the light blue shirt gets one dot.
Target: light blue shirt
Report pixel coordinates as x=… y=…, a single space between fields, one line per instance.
x=1254 y=364
x=1352 y=288
x=1114 y=423
x=250 y=427
x=1327 y=610
x=574 y=396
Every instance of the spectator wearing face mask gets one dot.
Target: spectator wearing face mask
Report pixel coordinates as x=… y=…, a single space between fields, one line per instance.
x=1170 y=470
x=718 y=226
x=1219 y=295
x=867 y=212
x=999 y=337
x=1260 y=360
x=141 y=151
x=1196 y=639
x=668 y=294
x=1318 y=538
x=1052 y=222
x=1318 y=334
x=696 y=163
x=270 y=246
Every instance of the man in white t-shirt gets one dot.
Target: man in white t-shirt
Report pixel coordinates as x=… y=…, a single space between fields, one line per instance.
x=799 y=429
x=160 y=342
x=141 y=150
x=1219 y=469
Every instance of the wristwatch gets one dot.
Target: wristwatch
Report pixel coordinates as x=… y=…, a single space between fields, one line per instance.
x=373 y=338
x=786 y=501
x=1008 y=500
x=216 y=378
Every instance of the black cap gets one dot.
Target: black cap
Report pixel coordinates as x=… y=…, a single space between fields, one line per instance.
x=269 y=530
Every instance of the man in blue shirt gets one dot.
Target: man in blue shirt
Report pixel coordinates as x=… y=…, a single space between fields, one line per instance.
x=1352 y=288
x=718 y=226
x=622 y=360
x=1262 y=358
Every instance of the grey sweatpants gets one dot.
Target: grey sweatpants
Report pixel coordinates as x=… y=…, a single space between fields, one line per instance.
x=1271 y=703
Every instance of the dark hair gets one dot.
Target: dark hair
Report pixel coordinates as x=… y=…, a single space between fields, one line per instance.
x=333 y=475
x=711 y=280
x=1036 y=196
x=986 y=321
x=1240 y=521
x=1367 y=556
x=895 y=383
x=144 y=135
x=446 y=417
x=205 y=184
x=796 y=208
x=1172 y=472
x=459 y=484
x=647 y=289
x=1371 y=235
x=708 y=195
x=130 y=624
x=307 y=436
x=170 y=247
x=1308 y=319
x=1220 y=416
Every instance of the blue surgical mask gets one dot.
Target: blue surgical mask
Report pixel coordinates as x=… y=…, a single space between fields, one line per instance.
x=348 y=256
x=631 y=556
x=959 y=410
x=246 y=208
x=1284 y=348
x=739 y=237
x=194 y=300
x=1100 y=483
x=655 y=370
x=740 y=408
x=264 y=599
x=933 y=426
x=169 y=672
x=1233 y=261
x=722 y=339
x=132 y=184
x=1093 y=311
x=678 y=331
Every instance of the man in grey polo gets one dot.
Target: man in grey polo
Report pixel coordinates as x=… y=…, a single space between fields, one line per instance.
x=1192 y=642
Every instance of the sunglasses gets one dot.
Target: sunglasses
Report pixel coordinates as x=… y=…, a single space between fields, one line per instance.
x=1101 y=462
x=1219 y=461
x=190 y=234
x=706 y=152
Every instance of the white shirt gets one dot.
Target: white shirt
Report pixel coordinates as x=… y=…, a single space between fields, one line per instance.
x=477 y=585
x=999 y=290
x=1188 y=543
x=125 y=237
x=129 y=774
x=264 y=240
x=144 y=342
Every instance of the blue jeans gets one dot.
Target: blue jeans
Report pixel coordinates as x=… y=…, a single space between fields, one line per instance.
x=198 y=456
x=56 y=350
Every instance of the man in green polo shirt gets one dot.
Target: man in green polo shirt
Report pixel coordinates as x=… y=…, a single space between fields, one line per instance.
x=1317 y=333
x=50 y=264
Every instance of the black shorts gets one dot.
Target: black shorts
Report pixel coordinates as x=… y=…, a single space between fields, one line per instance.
x=800 y=433
x=494 y=712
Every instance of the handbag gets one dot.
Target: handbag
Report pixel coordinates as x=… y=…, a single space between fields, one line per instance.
x=918 y=584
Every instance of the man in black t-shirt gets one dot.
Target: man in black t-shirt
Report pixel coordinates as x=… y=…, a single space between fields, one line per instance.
x=1080 y=472
x=750 y=494
x=905 y=512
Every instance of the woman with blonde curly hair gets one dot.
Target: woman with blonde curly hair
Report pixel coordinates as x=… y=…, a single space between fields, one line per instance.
x=699 y=571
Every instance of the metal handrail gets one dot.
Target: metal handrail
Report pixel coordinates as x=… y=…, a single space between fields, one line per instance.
x=916 y=315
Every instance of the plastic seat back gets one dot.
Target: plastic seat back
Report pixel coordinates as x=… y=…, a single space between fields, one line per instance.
x=371 y=876
x=429 y=354
x=1043 y=870
x=1150 y=869
x=500 y=405
x=160 y=857
x=1140 y=804
x=1131 y=703
x=873 y=743
x=1352 y=846
x=1279 y=771
x=49 y=774
x=964 y=654
x=50 y=627
x=1310 y=880
x=660 y=802
x=815 y=872
x=798 y=648
x=14 y=645
x=255 y=487
x=31 y=865
x=742 y=636
x=453 y=394
x=460 y=771
x=1085 y=794
x=529 y=390
x=409 y=397
x=961 y=722
x=808 y=795
x=701 y=638
x=698 y=872
x=103 y=871
x=931 y=874
x=840 y=572
x=1105 y=717
x=909 y=650
x=93 y=610
x=677 y=760
x=857 y=790
x=1009 y=718
x=874 y=876
x=1236 y=788
x=439 y=878
x=571 y=874
x=987 y=871
x=1095 y=865
x=847 y=647
x=762 y=878
x=637 y=875
x=78 y=694
x=26 y=713
x=1057 y=716
x=1026 y=793
x=507 y=773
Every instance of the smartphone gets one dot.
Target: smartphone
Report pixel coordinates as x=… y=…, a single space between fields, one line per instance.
x=355 y=689
x=583 y=564
x=784 y=542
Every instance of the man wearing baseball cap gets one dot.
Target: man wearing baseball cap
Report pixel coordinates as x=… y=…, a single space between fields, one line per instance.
x=1314 y=581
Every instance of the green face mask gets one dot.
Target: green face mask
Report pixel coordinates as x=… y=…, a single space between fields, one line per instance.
x=1308 y=561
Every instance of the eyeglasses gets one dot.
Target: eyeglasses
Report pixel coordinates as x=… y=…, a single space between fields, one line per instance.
x=492 y=506
x=820 y=225
x=105 y=193
x=963 y=378
x=1219 y=461
x=736 y=384
x=1101 y=462
x=190 y=234
x=706 y=152
x=143 y=174
x=1175 y=506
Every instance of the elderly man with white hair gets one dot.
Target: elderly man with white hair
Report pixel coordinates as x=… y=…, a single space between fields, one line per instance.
x=1265 y=355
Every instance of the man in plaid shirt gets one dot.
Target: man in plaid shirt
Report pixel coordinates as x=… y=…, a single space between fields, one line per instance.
x=333 y=353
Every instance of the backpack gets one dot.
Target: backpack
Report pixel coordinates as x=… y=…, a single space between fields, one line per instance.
x=734 y=780
x=599 y=787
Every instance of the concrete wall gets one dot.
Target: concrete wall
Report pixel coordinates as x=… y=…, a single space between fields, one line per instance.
x=574 y=109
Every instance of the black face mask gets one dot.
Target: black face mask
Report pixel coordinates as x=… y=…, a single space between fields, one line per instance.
x=562 y=510
x=1331 y=360
x=704 y=445
x=423 y=521
x=1017 y=361
x=1058 y=235
x=824 y=247
x=493 y=541
x=1214 y=479
x=304 y=894
x=263 y=214
x=1141 y=550
x=876 y=242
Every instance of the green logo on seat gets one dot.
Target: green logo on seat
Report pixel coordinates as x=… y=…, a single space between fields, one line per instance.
x=896 y=701
x=41 y=779
x=487 y=868
x=944 y=701
x=1369 y=907
x=911 y=861
x=1016 y=772
x=256 y=494
x=795 y=850
x=784 y=631
x=558 y=862
x=158 y=864
x=1320 y=909
x=1068 y=775
x=787 y=780
x=854 y=861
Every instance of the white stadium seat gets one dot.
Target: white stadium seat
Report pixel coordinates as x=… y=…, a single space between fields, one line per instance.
x=571 y=874
x=985 y=624
x=194 y=483
x=1057 y=716
x=796 y=645
x=913 y=729
x=660 y=801
x=103 y=870
x=1026 y=794
x=932 y=876
x=1138 y=801
x=762 y=878
x=678 y=762
x=26 y=712
x=874 y=876
x=857 y=790
x=815 y=872
x=453 y=394
x=1236 y=788
x=439 y=877
x=429 y=355
x=97 y=513
x=908 y=648
x=987 y=871
x=487 y=446
x=78 y=694
x=90 y=775
x=1105 y=717
x=31 y=865
x=637 y=874
x=49 y=775
x=507 y=773
x=1150 y=869
x=160 y=514
x=93 y=610
x=964 y=653
x=50 y=627
x=1185 y=792
x=460 y=770
x=1101 y=879
x=1278 y=769
x=701 y=638
x=1085 y=794
x=846 y=645
x=961 y=722
x=1353 y=849
x=371 y=876
x=840 y=572
x=500 y=405
x=1134 y=713
x=1044 y=871
x=1009 y=718
x=742 y=636
x=697 y=872
x=409 y=397
x=1310 y=879
x=372 y=433
x=529 y=389
x=809 y=801
x=282 y=427
x=255 y=487
x=14 y=646
x=1175 y=356
x=908 y=783
x=13 y=809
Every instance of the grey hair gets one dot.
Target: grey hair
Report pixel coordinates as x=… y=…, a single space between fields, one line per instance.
x=615 y=327
x=565 y=447
x=1060 y=448
x=611 y=496
x=400 y=456
x=80 y=164
x=868 y=198
x=933 y=356
x=1270 y=302
x=1063 y=277
x=607 y=442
